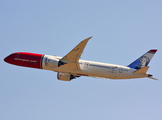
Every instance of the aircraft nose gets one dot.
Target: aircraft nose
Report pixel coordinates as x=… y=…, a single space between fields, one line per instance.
x=8 y=59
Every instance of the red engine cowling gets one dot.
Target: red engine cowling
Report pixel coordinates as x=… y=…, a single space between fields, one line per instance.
x=65 y=76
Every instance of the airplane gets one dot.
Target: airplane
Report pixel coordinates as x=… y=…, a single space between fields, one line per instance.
x=70 y=66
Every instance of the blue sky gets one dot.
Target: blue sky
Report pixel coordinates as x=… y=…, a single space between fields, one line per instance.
x=122 y=31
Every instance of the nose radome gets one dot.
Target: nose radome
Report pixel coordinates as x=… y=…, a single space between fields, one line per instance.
x=8 y=59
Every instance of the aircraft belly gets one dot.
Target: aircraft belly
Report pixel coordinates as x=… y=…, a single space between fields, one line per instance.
x=102 y=72
x=114 y=73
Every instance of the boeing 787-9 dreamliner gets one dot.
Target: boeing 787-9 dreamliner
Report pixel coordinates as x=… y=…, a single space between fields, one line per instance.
x=70 y=66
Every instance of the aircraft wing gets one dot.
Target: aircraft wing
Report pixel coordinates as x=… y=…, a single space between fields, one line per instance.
x=71 y=59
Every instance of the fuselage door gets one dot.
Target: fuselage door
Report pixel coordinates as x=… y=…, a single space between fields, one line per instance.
x=120 y=70
x=86 y=64
x=17 y=56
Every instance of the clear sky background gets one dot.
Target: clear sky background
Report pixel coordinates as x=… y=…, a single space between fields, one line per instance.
x=122 y=31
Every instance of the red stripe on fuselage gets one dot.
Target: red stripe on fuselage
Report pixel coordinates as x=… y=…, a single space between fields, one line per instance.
x=25 y=59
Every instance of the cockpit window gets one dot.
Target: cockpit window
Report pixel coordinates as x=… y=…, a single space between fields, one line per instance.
x=17 y=55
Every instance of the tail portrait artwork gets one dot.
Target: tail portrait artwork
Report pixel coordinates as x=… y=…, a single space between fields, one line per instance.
x=143 y=60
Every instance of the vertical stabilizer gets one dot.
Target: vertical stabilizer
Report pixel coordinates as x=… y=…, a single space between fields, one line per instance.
x=143 y=60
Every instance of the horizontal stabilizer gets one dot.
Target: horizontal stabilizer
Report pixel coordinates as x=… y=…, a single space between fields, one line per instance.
x=142 y=70
x=152 y=78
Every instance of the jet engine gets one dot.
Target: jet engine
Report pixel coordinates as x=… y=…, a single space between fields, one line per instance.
x=65 y=76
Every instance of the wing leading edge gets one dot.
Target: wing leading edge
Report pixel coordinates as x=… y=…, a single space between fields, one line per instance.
x=70 y=60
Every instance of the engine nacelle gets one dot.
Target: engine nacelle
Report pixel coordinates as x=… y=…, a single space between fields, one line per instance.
x=65 y=76
x=50 y=62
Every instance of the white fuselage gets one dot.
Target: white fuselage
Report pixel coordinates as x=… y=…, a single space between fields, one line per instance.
x=92 y=69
